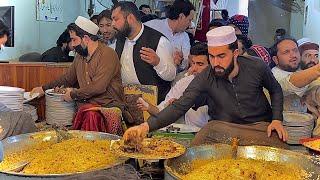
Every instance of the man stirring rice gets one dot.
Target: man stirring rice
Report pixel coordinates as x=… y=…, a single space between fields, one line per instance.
x=233 y=89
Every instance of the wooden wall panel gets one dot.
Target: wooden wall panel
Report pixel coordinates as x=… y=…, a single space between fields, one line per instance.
x=7 y=75
x=53 y=73
x=30 y=75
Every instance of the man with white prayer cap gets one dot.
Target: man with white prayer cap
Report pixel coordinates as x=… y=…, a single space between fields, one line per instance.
x=309 y=59
x=232 y=87
x=309 y=53
x=93 y=79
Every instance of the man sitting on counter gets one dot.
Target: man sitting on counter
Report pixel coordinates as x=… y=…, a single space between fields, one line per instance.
x=232 y=87
x=93 y=79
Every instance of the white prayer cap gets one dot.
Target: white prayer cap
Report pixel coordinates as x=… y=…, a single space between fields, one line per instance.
x=303 y=41
x=221 y=36
x=306 y=44
x=87 y=25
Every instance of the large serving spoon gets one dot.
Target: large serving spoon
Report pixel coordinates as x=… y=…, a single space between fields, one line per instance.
x=18 y=166
x=234 y=146
x=62 y=134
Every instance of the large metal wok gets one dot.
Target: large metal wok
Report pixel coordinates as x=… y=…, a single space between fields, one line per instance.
x=179 y=166
x=20 y=142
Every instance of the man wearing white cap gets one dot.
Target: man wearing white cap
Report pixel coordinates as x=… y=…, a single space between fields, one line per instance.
x=232 y=87
x=145 y=54
x=309 y=53
x=300 y=86
x=309 y=58
x=294 y=82
x=95 y=72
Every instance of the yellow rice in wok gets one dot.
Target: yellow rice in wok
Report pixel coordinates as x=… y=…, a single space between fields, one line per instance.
x=243 y=169
x=70 y=156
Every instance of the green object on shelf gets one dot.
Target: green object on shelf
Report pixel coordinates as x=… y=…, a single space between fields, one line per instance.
x=181 y=138
x=173 y=135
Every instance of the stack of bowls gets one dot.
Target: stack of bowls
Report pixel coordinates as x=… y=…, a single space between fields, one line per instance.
x=299 y=125
x=12 y=97
x=58 y=111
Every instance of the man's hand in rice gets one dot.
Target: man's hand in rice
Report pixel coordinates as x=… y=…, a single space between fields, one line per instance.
x=136 y=132
x=277 y=125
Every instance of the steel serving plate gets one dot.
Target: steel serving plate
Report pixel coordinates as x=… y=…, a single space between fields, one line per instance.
x=21 y=142
x=179 y=150
x=179 y=166
x=306 y=142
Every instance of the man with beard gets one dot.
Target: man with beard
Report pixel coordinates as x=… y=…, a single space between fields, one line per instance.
x=232 y=87
x=106 y=29
x=310 y=57
x=179 y=17
x=309 y=53
x=294 y=83
x=145 y=54
x=94 y=77
x=60 y=53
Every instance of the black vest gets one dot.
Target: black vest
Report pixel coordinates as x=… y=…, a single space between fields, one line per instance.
x=146 y=74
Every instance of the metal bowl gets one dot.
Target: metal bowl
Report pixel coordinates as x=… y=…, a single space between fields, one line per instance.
x=179 y=166
x=21 y=142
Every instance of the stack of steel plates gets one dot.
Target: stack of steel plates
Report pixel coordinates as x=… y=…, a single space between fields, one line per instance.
x=298 y=125
x=58 y=111
x=12 y=97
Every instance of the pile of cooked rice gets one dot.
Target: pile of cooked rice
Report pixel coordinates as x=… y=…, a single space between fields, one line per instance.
x=148 y=148
x=247 y=169
x=315 y=145
x=69 y=156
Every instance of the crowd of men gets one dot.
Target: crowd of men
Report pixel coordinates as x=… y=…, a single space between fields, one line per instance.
x=221 y=85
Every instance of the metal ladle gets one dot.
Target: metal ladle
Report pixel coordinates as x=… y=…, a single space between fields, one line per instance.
x=18 y=166
x=62 y=134
x=234 y=145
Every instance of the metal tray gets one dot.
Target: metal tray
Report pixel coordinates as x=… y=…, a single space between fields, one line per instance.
x=20 y=142
x=218 y=151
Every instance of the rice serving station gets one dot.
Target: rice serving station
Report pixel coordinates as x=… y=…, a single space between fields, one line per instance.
x=180 y=166
x=22 y=142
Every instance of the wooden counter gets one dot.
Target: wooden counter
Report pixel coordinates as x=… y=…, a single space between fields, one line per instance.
x=29 y=75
